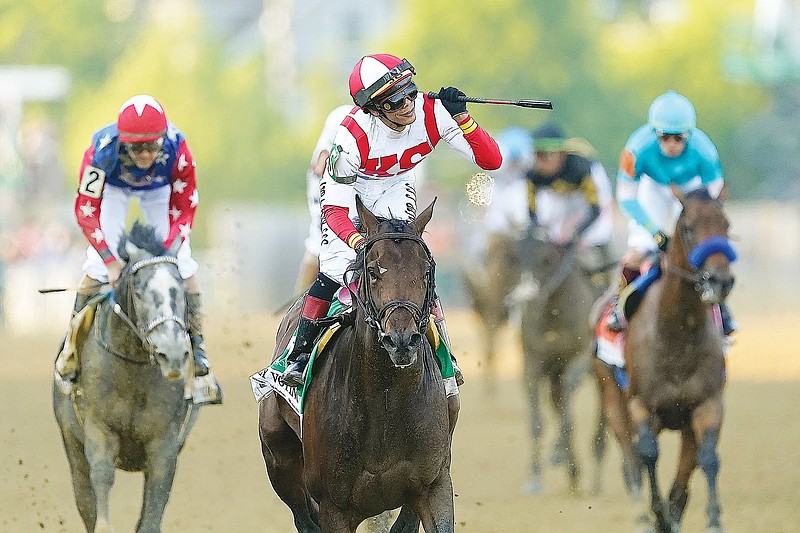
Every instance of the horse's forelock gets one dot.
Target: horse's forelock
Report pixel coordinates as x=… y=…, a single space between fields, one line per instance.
x=701 y=194
x=144 y=237
x=395 y=225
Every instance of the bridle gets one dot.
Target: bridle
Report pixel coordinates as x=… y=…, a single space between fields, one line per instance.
x=702 y=280
x=375 y=317
x=143 y=332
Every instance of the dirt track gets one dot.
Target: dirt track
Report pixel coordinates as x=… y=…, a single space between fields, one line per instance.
x=221 y=484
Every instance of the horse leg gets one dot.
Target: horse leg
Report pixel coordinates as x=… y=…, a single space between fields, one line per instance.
x=679 y=493
x=283 y=457
x=706 y=424
x=435 y=506
x=79 y=468
x=101 y=448
x=613 y=405
x=563 y=452
x=162 y=459
x=533 y=370
x=599 y=442
x=334 y=520
x=647 y=447
x=407 y=521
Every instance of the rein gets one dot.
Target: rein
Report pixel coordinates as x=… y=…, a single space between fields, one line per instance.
x=143 y=333
x=375 y=317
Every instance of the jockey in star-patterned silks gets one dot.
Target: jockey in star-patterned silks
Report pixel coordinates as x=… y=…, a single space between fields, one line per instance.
x=142 y=156
x=391 y=129
x=668 y=150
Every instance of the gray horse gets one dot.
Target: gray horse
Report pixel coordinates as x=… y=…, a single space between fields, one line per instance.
x=557 y=296
x=128 y=408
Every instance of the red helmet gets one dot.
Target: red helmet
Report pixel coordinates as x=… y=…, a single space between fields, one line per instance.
x=376 y=75
x=141 y=119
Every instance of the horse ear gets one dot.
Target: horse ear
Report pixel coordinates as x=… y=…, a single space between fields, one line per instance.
x=723 y=194
x=677 y=192
x=423 y=218
x=129 y=250
x=368 y=220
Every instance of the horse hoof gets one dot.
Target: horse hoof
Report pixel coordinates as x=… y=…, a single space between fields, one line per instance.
x=534 y=486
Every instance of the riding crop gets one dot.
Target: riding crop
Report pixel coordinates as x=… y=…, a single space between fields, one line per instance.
x=531 y=104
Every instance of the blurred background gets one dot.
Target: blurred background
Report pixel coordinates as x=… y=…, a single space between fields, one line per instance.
x=250 y=83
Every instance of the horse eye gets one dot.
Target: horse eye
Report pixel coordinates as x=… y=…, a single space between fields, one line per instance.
x=373 y=276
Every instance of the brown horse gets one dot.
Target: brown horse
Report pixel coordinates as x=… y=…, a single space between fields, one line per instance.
x=488 y=287
x=377 y=424
x=556 y=342
x=674 y=353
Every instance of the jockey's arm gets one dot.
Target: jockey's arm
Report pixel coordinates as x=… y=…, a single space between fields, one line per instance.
x=87 y=205
x=184 y=197
x=628 y=192
x=589 y=189
x=468 y=138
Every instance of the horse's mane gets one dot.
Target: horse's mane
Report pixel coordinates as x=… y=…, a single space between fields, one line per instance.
x=144 y=237
x=395 y=225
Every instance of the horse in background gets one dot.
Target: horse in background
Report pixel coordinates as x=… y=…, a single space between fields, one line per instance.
x=488 y=287
x=556 y=295
x=377 y=423
x=674 y=355
x=128 y=408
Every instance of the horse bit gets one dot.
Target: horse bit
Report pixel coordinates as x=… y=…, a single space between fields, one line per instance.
x=144 y=333
x=376 y=317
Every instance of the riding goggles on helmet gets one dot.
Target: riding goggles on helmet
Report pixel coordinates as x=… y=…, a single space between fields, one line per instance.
x=679 y=137
x=365 y=95
x=150 y=146
x=398 y=99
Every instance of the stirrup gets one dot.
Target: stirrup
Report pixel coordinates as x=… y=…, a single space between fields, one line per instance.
x=201 y=364
x=458 y=374
x=616 y=322
x=294 y=373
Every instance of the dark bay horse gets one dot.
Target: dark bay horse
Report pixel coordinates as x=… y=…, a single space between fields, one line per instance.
x=127 y=409
x=488 y=286
x=674 y=353
x=556 y=342
x=377 y=424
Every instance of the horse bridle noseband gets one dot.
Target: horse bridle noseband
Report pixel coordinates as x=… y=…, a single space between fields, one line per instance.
x=144 y=332
x=375 y=317
x=701 y=279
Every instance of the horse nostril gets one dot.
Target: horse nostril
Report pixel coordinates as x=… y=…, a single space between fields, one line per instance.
x=414 y=341
x=388 y=342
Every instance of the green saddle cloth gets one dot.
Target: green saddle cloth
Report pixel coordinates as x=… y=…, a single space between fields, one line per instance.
x=443 y=358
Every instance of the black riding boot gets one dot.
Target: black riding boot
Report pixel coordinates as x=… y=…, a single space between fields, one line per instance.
x=296 y=361
x=729 y=325
x=194 y=314
x=315 y=305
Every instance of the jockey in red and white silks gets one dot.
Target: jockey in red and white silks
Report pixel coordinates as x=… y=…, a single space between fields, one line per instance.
x=377 y=163
x=391 y=129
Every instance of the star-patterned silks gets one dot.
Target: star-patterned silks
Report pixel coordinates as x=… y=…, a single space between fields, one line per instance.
x=87 y=209
x=178 y=186
x=105 y=140
x=185 y=230
x=97 y=235
x=182 y=162
x=174 y=213
x=194 y=198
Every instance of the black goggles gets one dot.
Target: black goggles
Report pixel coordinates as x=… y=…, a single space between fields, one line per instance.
x=148 y=146
x=398 y=99
x=677 y=137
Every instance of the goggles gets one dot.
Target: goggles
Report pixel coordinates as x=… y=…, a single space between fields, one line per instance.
x=363 y=96
x=398 y=99
x=677 y=137
x=149 y=146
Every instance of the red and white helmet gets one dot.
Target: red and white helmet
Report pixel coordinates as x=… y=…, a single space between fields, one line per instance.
x=376 y=75
x=141 y=119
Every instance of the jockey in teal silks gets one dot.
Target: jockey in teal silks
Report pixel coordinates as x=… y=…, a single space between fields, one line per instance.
x=668 y=150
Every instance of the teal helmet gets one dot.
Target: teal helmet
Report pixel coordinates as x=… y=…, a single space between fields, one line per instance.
x=515 y=144
x=672 y=113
